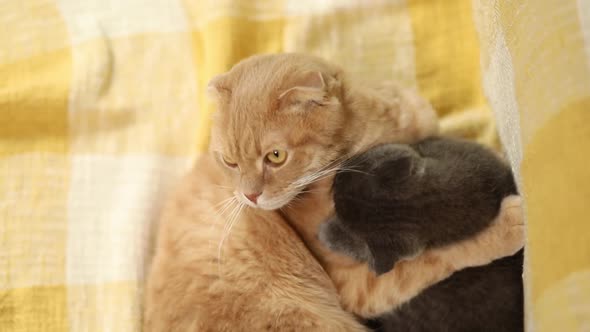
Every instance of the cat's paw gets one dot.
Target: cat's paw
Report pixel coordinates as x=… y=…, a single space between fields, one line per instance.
x=503 y=238
x=509 y=226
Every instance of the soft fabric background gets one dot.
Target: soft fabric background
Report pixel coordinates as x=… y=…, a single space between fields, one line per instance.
x=102 y=108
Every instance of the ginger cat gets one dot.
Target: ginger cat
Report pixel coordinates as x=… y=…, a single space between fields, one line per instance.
x=228 y=257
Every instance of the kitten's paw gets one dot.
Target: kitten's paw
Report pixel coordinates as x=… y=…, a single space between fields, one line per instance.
x=334 y=237
x=510 y=229
x=328 y=234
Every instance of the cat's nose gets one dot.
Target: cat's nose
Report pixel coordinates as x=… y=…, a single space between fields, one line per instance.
x=253 y=197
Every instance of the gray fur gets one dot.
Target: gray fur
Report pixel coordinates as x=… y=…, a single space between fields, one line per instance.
x=338 y=239
x=404 y=198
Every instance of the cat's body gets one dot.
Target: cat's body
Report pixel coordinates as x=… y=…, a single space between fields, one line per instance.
x=262 y=278
x=226 y=256
x=404 y=199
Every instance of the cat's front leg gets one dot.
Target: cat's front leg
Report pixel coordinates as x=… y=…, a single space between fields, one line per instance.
x=504 y=237
x=381 y=294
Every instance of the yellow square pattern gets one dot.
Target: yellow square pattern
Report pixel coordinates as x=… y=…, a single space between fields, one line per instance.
x=34 y=103
x=39 y=309
x=112 y=83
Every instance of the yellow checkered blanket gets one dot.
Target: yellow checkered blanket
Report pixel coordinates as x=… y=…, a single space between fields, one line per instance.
x=102 y=108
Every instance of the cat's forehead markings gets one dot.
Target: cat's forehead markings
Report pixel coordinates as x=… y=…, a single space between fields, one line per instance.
x=245 y=142
x=248 y=149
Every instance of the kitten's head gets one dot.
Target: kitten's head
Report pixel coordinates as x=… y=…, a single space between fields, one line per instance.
x=380 y=181
x=377 y=177
x=278 y=123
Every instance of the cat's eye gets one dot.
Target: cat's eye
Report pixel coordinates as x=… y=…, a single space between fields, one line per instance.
x=229 y=162
x=276 y=157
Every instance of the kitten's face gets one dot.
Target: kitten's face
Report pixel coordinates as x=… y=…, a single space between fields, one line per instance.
x=277 y=125
x=384 y=176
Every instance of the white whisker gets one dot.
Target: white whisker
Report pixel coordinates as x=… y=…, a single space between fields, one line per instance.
x=236 y=218
x=226 y=205
x=352 y=170
x=228 y=225
x=223 y=202
x=314 y=177
x=338 y=165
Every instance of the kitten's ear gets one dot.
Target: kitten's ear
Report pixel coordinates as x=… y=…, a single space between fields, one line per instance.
x=309 y=88
x=397 y=170
x=218 y=88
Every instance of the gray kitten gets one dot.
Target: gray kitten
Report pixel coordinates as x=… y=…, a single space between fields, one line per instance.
x=404 y=198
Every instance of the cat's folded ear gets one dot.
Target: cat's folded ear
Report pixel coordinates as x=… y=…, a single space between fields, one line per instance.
x=218 y=89
x=311 y=88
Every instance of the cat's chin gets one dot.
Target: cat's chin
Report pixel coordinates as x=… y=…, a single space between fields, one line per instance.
x=270 y=206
